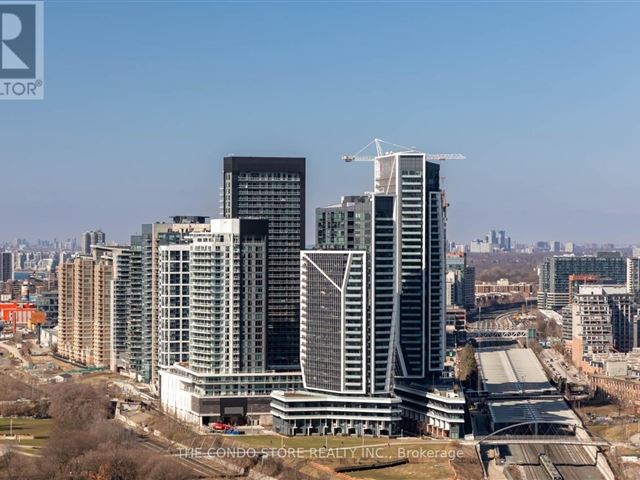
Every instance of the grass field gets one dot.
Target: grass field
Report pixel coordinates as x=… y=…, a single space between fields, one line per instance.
x=274 y=441
x=349 y=451
x=429 y=460
x=615 y=433
x=39 y=428
x=434 y=470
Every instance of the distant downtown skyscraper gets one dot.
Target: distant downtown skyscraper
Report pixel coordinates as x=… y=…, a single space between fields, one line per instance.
x=273 y=188
x=92 y=237
x=6 y=266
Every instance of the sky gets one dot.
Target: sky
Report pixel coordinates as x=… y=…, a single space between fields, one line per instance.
x=144 y=99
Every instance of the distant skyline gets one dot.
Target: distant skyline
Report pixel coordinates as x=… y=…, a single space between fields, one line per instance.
x=143 y=100
x=34 y=241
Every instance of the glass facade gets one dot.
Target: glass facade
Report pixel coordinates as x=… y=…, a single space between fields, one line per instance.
x=333 y=320
x=420 y=258
x=274 y=189
x=173 y=315
x=228 y=273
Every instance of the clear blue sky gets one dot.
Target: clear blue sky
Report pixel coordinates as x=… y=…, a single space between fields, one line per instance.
x=144 y=99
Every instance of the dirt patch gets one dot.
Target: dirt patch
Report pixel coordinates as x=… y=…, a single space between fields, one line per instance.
x=468 y=466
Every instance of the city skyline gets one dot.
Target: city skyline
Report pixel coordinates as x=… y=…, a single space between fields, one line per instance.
x=537 y=111
x=212 y=266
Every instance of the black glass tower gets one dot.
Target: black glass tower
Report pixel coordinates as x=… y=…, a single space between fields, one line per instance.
x=273 y=188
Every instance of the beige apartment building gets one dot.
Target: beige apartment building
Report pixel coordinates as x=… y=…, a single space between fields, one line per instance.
x=93 y=306
x=102 y=276
x=75 y=316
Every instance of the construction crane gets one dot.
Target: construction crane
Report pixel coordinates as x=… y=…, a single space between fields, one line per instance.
x=360 y=157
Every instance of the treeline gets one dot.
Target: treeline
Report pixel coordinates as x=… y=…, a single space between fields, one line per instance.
x=516 y=267
x=85 y=444
x=12 y=389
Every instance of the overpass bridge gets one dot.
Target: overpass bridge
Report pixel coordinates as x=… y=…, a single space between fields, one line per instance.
x=545 y=440
x=502 y=333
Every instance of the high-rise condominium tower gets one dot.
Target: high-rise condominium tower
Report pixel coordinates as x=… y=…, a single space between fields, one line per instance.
x=346 y=325
x=366 y=224
x=145 y=360
x=95 y=306
x=173 y=314
x=554 y=288
x=75 y=314
x=604 y=318
x=420 y=261
x=372 y=324
x=228 y=269
x=273 y=189
x=226 y=377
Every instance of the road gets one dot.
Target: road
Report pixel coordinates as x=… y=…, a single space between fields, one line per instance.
x=14 y=351
x=560 y=368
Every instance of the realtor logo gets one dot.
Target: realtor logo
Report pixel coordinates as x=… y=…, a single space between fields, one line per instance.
x=21 y=50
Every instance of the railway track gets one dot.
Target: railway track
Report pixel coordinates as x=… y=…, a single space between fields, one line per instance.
x=201 y=468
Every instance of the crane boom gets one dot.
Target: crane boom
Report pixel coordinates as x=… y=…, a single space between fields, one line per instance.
x=441 y=157
x=359 y=157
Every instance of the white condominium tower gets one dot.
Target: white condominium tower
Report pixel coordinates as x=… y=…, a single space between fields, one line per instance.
x=420 y=260
x=144 y=351
x=228 y=268
x=226 y=377
x=333 y=320
x=346 y=325
x=173 y=312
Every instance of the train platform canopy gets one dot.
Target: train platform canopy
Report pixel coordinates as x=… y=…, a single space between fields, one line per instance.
x=542 y=410
x=512 y=372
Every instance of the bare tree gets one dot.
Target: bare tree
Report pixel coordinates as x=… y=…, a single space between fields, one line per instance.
x=76 y=405
x=14 y=466
x=110 y=461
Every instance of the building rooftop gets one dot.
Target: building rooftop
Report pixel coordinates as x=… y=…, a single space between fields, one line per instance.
x=602 y=290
